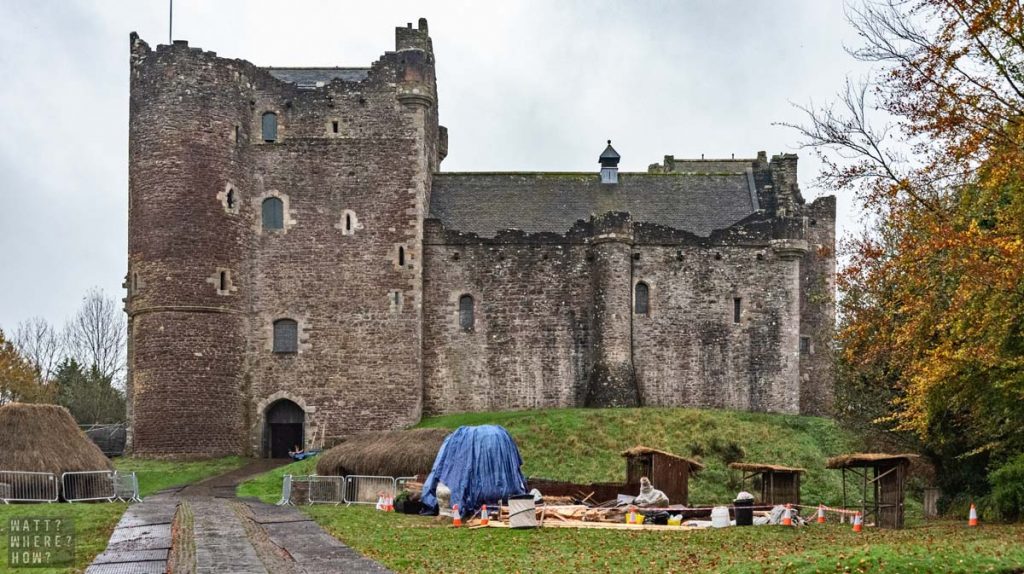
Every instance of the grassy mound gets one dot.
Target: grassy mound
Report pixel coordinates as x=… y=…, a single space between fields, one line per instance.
x=584 y=445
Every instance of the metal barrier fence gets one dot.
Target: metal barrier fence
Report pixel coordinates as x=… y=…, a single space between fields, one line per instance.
x=325 y=490
x=18 y=486
x=367 y=489
x=286 y=492
x=88 y=485
x=126 y=487
x=354 y=489
x=401 y=481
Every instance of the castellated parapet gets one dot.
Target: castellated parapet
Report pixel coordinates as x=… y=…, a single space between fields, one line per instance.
x=299 y=266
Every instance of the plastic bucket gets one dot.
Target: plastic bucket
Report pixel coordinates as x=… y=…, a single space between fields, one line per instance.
x=720 y=517
x=522 y=511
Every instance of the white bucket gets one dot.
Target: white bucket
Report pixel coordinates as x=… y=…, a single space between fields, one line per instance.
x=522 y=512
x=720 y=517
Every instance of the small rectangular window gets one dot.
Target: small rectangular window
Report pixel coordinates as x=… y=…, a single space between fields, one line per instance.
x=286 y=336
x=805 y=345
x=736 y=303
x=334 y=126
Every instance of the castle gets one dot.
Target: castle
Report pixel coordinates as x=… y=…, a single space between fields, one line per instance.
x=299 y=266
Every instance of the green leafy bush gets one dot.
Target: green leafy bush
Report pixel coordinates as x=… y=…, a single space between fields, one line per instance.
x=1007 y=497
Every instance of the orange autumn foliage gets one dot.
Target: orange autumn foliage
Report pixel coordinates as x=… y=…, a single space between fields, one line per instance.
x=932 y=312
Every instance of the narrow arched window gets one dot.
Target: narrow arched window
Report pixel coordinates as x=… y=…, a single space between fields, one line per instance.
x=401 y=256
x=231 y=198
x=286 y=336
x=641 y=300
x=348 y=223
x=270 y=127
x=466 y=318
x=273 y=213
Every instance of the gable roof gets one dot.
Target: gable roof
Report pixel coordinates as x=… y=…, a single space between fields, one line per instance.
x=486 y=203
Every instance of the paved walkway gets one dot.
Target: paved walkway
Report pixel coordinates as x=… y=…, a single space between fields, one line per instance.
x=204 y=529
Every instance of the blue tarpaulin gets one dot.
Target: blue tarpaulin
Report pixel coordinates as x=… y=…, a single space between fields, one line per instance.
x=480 y=464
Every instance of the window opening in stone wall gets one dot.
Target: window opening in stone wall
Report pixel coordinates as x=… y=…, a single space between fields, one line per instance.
x=238 y=133
x=641 y=299
x=805 y=345
x=222 y=281
x=401 y=256
x=334 y=126
x=135 y=282
x=231 y=199
x=270 y=127
x=466 y=312
x=273 y=213
x=286 y=336
x=736 y=303
x=348 y=223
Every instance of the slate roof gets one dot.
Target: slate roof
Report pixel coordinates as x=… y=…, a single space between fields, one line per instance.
x=307 y=78
x=609 y=155
x=485 y=203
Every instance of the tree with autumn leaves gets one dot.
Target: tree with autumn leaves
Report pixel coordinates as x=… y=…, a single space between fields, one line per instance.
x=931 y=331
x=19 y=380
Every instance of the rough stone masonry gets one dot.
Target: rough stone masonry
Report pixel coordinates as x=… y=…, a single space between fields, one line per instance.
x=299 y=266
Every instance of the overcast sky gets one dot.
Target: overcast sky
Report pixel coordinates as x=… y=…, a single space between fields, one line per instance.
x=522 y=86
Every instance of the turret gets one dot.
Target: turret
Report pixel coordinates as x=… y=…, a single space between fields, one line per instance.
x=612 y=382
x=187 y=261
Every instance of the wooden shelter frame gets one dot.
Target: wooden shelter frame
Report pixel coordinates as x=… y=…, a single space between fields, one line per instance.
x=874 y=506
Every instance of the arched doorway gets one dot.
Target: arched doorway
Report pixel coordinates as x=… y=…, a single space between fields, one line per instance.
x=285 y=428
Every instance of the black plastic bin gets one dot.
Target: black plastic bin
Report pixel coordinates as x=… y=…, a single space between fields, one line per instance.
x=744 y=510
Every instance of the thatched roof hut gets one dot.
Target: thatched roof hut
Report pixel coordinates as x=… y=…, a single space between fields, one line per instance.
x=779 y=484
x=45 y=438
x=863 y=459
x=882 y=480
x=396 y=453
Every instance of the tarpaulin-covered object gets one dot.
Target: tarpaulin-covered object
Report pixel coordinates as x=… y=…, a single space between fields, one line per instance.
x=480 y=464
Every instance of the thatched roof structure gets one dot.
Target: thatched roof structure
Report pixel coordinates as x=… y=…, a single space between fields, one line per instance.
x=396 y=453
x=860 y=459
x=640 y=450
x=45 y=438
x=758 y=467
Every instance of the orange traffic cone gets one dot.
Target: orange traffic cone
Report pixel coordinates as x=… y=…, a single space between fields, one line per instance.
x=972 y=518
x=484 y=519
x=787 y=516
x=858 y=522
x=456 y=517
x=821 y=514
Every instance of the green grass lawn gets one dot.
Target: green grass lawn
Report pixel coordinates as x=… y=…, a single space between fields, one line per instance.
x=412 y=544
x=584 y=445
x=267 y=486
x=95 y=521
x=156 y=475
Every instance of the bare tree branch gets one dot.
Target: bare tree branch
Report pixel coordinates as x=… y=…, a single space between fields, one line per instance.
x=40 y=343
x=97 y=335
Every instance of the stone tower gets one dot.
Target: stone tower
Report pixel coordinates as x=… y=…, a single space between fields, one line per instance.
x=267 y=204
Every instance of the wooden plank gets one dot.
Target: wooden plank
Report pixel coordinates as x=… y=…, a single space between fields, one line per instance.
x=603 y=526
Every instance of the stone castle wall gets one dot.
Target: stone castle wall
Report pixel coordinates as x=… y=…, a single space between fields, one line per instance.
x=374 y=283
x=546 y=303
x=202 y=369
